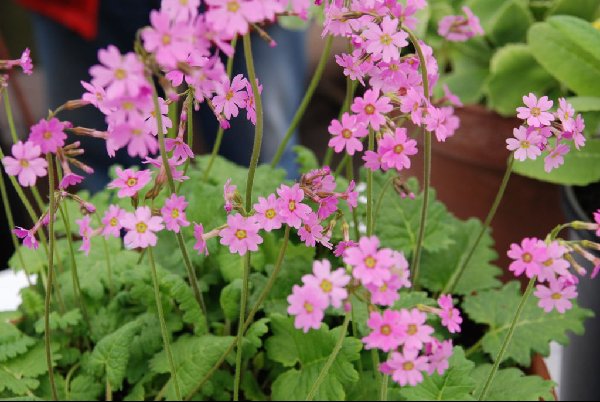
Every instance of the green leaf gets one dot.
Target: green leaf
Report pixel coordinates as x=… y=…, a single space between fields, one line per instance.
x=85 y=388
x=34 y=260
x=468 y=85
x=504 y=21
x=13 y=342
x=411 y=299
x=513 y=73
x=512 y=385
x=455 y=385
x=439 y=269
x=567 y=47
x=307 y=353
x=230 y=265
x=585 y=103
x=230 y=299
x=306 y=158
x=182 y=293
x=534 y=330
x=253 y=338
x=19 y=375
x=585 y=9
x=60 y=322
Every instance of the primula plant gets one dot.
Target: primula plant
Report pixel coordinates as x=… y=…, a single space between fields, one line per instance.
x=191 y=278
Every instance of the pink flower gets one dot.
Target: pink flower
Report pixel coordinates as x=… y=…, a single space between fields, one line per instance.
x=25 y=62
x=232 y=17
x=439 y=353
x=556 y=157
x=536 y=113
x=385 y=39
x=266 y=213
x=173 y=213
x=566 y=114
x=181 y=10
x=407 y=368
x=119 y=75
x=370 y=265
x=457 y=28
x=229 y=191
x=310 y=231
x=95 y=96
x=528 y=257
x=331 y=284
x=327 y=206
x=134 y=134
x=417 y=332
x=387 y=331
x=307 y=304
x=250 y=102
x=372 y=160
x=395 y=150
x=555 y=265
x=70 y=179
x=597 y=220
x=386 y=294
x=167 y=41
x=343 y=246
x=28 y=237
x=371 y=108
x=557 y=296
x=85 y=231
x=200 y=245
x=231 y=96
x=347 y=134
x=112 y=221
x=450 y=316
x=129 y=182
x=179 y=148
x=141 y=227
x=290 y=206
x=525 y=144
x=49 y=134
x=241 y=234
x=25 y=163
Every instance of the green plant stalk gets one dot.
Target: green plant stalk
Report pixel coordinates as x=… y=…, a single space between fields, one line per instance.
x=163 y=325
x=370 y=225
x=221 y=131
x=172 y=113
x=190 y=132
x=11 y=222
x=50 y=279
x=314 y=83
x=253 y=311
x=490 y=379
x=336 y=350
x=350 y=90
x=111 y=287
x=10 y=118
x=451 y=285
x=350 y=176
x=383 y=392
x=427 y=169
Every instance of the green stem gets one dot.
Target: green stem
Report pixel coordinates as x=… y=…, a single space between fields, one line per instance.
x=383 y=392
x=9 y=117
x=190 y=132
x=330 y=360
x=11 y=223
x=314 y=83
x=163 y=325
x=370 y=188
x=111 y=288
x=50 y=279
x=350 y=176
x=507 y=340
x=449 y=288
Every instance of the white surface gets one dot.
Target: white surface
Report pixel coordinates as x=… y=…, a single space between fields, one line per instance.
x=554 y=363
x=10 y=285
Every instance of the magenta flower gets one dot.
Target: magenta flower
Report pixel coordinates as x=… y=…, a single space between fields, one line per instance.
x=342 y=246
x=395 y=150
x=28 y=237
x=85 y=231
x=597 y=220
x=536 y=113
x=556 y=158
x=95 y=96
x=457 y=28
x=385 y=39
x=290 y=207
x=231 y=96
x=439 y=353
x=370 y=265
x=525 y=144
x=25 y=163
x=181 y=10
x=417 y=332
x=167 y=41
x=371 y=109
x=119 y=74
x=241 y=234
x=70 y=179
x=310 y=231
x=555 y=266
x=141 y=227
x=232 y=17
x=49 y=134
x=134 y=134
x=200 y=245
x=557 y=296
x=450 y=316
x=372 y=160
x=566 y=114
x=407 y=368
x=266 y=213
x=387 y=331
x=307 y=304
x=331 y=284
x=173 y=213
x=327 y=207
x=347 y=134
x=130 y=182
x=527 y=257
x=112 y=221
x=250 y=102
x=179 y=148
x=25 y=62
x=386 y=294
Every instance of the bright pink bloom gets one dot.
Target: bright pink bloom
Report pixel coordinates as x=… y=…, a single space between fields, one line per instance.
x=307 y=304
x=70 y=179
x=372 y=160
x=527 y=257
x=119 y=74
x=577 y=131
x=385 y=39
x=347 y=134
x=370 y=265
x=181 y=10
x=25 y=163
x=407 y=368
x=555 y=265
x=232 y=17
x=231 y=96
x=112 y=221
x=28 y=237
x=310 y=231
x=556 y=157
x=597 y=220
x=395 y=150
x=342 y=246
x=167 y=41
x=200 y=245
x=450 y=316
x=386 y=294
x=566 y=114
x=387 y=331
x=536 y=113
x=134 y=133
x=130 y=182
x=229 y=191
x=173 y=213
x=290 y=206
x=439 y=354
x=417 y=332
x=266 y=213
x=49 y=134
x=25 y=62
x=96 y=96
x=327 y=207
x=85 y=231
x=141 y=227
x=557 y=296
x=241 y=234
x=371 y=108
x=457 y=28
x=400 y=269
x=331 y=284
x=250 y=102
x=412 y=103
x=180 y=149
x=525 y=144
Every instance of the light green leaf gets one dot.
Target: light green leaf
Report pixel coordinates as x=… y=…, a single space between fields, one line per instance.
x=60 y=322
x=13 y=342
x=585 y=103
x=253 y=338
x=504 y=21
x=230 y=299
x=512 y=385
x=85 y=388
x=585 y=9
x=19 y=375
x=306 y=158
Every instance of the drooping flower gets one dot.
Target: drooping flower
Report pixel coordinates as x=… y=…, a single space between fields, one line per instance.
x=200 y=245
x=85 y=231
x=130 y=182
x=69 y=180
x=525 y=144
x=229 y=191
x=173 y=213
x=536 y=111
x=49 y=134
x=266 y=213
x=28 y=237
x=407 y=368
x=241 y=234
x=457 y=28
x=371 y=108
x=180 y=149
x=331 y=283
x=25 y=163
x=347 y=134
x=566 y=114
x=417 y=332
x=141 y=228
x=307 y=304
x=450 y=316
x=290 y=207
x=112 y=221
x=557 y=296
x=527 y=257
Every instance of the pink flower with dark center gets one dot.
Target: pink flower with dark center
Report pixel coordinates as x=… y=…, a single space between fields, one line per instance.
x=407 y=368
x=266 y=213
x=536 y=113
x=527 y=257
x=290 y=207
x=119 y=74
x=332 y=284
x=179 y=148
x=386 y=294
x=310 y=231
x=307 y=304
x=85 y=231
x=556 y=158
x=396 y=148
x=168 y=41
x=417 y=332
x=555 y=266
x=387 y=331
x=371 y=108
x=370 y=265
x=450 y=316
x=130 y=182
x=200 y=245
x=141 y=227
x=525 y=144
x=28 y=237
x=49 y=134
x=347 y=134
x=25 y=163
x=231 y=96
x=385 y=39
x=173 y=213
x=557 y=296
x=439 y=354
x=241 y=234
x=70 y=179
x=112 y=221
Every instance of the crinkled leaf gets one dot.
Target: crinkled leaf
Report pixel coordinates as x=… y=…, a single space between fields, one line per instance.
x=70 y=319
x=85 y=388
x=512 y=385
x=19 y=375
x=13 y=342
x=253 y=338
x=230 y=299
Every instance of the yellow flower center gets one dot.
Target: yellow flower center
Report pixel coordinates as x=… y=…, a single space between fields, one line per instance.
x=309 y=307
x=127 y=105
x=241 y=234
x=175 y=213
x=292 y=206
x=347 y=134
x=132 y=181
x=270 y=214
x=556 y=296
x=166 y=40
x=548 y=263
x=536 y=111
x=527 y=257
x=47 y=135
x=326 y=286
x=183 y=2
x=120 y=74
x=408 y=366
x=229 y=95
x=398 y=149
x=136 y=132
x=24 y=163
x=386 y=330
x=370 y=262
x=141 y=227
x=386 y=40
x=525 y=144
x=114 y=222
x=412 y=329
x=233 y=6
x=383 y=288
x=370 y=109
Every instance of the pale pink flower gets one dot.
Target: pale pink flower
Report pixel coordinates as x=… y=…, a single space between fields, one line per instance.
x=372 y=160
x=340 y=249
x=200 y=245
x=371 y=108
x=396 y=148
x=229 y=191
x=527 y=257
x=417 y=332
x=232 y=17
x=578 y=127
x=385 y=39
x=112 y=221
x=347 y=134
x=168 y=41
x=555 y=265
x=457 y=28
x=130 y=182
x=141 y=227
x=85 y=231
x=387 y=331
x=386 y=294
x=370 y=265
x=536 y=113
x=250 y=102
x=69 y=180
x=331 y=284
x=290 y=206
x=307 y=304
x=566 y=114
x=327 y=207
x=134 y=134
x=241 y=234
x=310 y=232
x=179 y=148
x=450 y=316
x=439 y=354
x=407 y=368
x=28 y=237
x=525 y=144
x=231 y=96
x=173 y=213
x=119 y=74
x=181 y=10
x=25 y=163
x=557 y=296
x=95 y=96
x=49 y=134
x=556 y=157
x=266 y=213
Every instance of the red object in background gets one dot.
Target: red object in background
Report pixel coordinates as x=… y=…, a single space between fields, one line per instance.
x=79 y=15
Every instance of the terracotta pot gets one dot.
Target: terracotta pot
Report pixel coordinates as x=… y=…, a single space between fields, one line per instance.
x=467 y=171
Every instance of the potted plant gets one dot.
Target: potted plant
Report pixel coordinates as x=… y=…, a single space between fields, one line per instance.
x=175 y=283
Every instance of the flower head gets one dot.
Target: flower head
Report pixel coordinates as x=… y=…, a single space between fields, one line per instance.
x=371 y=108
x=28 y=237
x=407 y=368
x=450 y=316
x=557 y=296
x=525 y=144
x=347 y=134
x=307 y=304
x=173 y=213
x=417 y=332
x=331 y=283
x=141 y=227
x=241 y=234
x=536 y=111
x=370 y=265
x=49 y=134
x=25 y=163
x=290 y=207
x=266 y=213
x=85 y=231
x=130 y=182
x=112 y=221
x=387 y=331
x=527 y=257
x=200 y=245
x=395 y=150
